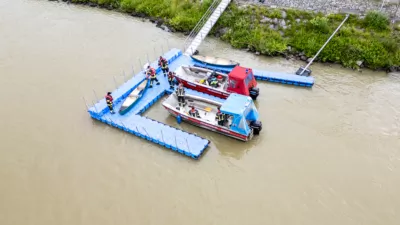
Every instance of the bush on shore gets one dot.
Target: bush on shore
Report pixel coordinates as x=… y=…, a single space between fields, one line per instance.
x=370 y=41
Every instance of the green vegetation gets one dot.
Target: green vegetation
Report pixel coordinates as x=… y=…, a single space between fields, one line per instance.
x=372 y=40
x=369 y=40
x=182 y=15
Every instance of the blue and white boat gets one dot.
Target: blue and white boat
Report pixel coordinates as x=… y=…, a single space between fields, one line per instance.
x=241 y=116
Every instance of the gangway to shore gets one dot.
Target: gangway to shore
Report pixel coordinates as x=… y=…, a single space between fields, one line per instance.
x=203 y=27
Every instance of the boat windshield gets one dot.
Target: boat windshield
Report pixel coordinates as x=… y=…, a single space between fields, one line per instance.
x=251 y=112
x=249 y=78
x=242 y=124
x=232 y=83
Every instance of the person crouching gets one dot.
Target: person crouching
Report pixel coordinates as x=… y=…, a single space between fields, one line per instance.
x=151 y=73
x=194 y=112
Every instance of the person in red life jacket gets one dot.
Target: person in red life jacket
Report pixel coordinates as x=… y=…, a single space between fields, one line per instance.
x=180 y=92
x=220 y=117
x=194 y=112
x=171 y=76
x=110 y=101
x=151 y=74
x=163 y=63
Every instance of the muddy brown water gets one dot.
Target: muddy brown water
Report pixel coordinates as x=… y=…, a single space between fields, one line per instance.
x=327 y=155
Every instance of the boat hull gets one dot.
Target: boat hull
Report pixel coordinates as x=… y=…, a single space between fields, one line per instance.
x=214 y=61
x=203 y=88
x=208 y=126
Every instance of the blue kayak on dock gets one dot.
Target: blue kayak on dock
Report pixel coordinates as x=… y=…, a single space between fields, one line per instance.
x=134 y=97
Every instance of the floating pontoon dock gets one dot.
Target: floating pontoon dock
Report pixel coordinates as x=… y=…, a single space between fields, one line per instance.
x=178 y=140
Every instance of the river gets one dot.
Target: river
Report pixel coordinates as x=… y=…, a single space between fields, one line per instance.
x=327 y=155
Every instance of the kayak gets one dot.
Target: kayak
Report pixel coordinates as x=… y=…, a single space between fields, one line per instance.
x=134 y=97
x=214 y=61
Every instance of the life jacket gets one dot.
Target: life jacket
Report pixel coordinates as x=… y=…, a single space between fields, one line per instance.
x=193 y=112
x=219 y=116
x=109 y=99
x=214 y=83
x=180 y=92
x=170 y=76
x=163 y=63
x=151 y=72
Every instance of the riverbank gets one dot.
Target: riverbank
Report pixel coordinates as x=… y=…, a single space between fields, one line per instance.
x=390 y=7
x=371 y=41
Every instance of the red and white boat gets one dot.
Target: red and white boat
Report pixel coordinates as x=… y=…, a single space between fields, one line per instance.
x=236 y=124
x=240 y=80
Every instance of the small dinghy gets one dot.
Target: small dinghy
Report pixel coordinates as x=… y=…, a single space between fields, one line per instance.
x=214 y=61
x=240 y=114
x=134 y=97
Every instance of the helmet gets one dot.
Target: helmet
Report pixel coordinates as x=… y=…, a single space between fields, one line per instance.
x=148 y=67
x=108 y=93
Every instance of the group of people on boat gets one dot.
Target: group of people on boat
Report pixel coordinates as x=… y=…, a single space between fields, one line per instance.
x=180 y=93
x=219 y=116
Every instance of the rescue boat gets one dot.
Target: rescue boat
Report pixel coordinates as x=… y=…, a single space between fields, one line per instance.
x=214 y=61
x=241 y=116
x=240 y=80
x=134 y=97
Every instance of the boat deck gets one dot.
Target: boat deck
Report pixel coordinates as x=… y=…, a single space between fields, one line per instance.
x=195 y=78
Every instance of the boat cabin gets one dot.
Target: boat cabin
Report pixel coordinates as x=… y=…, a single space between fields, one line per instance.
x=242 y=113
x=242 y=81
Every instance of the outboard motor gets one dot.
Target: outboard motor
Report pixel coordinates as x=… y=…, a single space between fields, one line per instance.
x=256 y=125
x=254 y=92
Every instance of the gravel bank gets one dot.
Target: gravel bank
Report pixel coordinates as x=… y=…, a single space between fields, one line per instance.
x=332 y=6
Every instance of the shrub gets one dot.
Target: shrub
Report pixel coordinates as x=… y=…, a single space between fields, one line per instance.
x=376 y=21
x=320 y=24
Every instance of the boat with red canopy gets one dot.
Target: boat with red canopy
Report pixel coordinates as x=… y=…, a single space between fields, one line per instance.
x=240 y=80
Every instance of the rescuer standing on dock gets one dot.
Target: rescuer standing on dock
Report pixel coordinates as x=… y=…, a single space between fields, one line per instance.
x=151 y=73
x=163 y=63
x=180 y=92
x=220 y=117
x=171 y=79
x=110 y=101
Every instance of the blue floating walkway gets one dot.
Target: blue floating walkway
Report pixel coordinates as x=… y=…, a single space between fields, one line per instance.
x=276 y=77
x=175 y=139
